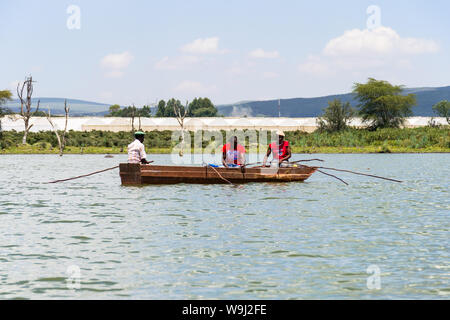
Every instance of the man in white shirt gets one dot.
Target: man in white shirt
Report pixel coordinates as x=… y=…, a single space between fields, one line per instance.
x=136 y=149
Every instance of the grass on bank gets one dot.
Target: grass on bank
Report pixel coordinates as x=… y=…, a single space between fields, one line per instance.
x=407 y=140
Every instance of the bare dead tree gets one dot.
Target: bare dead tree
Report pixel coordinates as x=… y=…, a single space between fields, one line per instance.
x=181 y=114
x=25 y=105
x=139 y=117
x=133 y=115
x=61 y=139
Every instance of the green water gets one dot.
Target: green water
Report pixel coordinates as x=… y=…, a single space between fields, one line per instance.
x=312 y=240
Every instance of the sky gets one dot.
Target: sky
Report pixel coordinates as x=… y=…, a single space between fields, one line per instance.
x=138 y=52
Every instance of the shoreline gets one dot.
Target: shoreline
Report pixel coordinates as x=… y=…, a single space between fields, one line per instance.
x=295 y=150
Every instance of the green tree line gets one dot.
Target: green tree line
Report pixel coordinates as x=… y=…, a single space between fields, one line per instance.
x=411 y=138
x=199 y=107
x=381 y=105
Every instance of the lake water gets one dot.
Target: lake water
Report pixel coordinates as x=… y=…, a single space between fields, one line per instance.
x=92 y=238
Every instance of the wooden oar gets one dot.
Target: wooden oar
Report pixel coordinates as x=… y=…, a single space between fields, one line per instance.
x=328 y=174
x=85 y=175
x=82 y=176
x=251 y=164
x=358 y=173
x=307 y=160
x=362 y=174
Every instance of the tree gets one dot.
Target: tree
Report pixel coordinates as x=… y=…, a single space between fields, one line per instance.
x=61 y=140
x=145 y=112
x=336 y=116
x=171 y=106
x=181 y=114
x=161 y=108
x=5 y=95
x=25 y=105
x=202 y=107
x=442 y=109
x=114 y=111
x=381 y=103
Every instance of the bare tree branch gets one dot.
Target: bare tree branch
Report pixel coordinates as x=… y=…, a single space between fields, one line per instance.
x=61 y=141
x=26 y=113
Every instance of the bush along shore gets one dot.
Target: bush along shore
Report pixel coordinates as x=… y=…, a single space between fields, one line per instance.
x=387 y=140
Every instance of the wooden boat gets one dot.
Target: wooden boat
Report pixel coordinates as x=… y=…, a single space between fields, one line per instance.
x=137 y=174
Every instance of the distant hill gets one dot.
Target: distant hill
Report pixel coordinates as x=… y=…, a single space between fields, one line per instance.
x=56 y=105
x=296 y=107
x=313 y=107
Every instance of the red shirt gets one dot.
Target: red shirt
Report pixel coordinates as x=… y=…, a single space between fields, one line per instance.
x=233 y=156
x=279 y=151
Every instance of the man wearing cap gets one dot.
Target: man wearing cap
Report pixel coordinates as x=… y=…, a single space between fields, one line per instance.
x=136 y=149
x=281 y=150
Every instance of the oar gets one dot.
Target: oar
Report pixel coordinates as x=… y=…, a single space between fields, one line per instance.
x=328 y=174
x=362 y=174
x=251 y=164
x=358 y=173
x=85 y=175
x=307 y=160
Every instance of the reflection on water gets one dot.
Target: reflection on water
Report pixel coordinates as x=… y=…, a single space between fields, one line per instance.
x=310 y=240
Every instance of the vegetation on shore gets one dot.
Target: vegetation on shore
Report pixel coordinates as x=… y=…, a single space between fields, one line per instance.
x=416 y=140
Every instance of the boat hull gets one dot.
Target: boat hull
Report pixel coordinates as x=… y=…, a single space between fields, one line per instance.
x=136 y=174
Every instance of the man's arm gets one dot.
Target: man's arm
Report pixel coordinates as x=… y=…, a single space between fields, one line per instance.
x=224 y=156
x=269 y=151
x=288 y=156
x=242 y=158
x=143 y=155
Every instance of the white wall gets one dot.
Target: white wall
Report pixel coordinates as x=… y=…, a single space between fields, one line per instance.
x=229 y=123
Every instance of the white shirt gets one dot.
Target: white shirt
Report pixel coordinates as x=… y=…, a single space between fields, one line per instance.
x=136 y=152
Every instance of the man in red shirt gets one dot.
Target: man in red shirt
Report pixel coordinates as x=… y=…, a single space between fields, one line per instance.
x=233 y=154
x=281 y=150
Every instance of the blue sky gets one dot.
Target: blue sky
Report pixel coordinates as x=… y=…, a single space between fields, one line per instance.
x=139 y=51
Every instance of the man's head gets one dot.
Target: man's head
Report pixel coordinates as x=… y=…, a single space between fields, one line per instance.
x=139 y=135
x=280 y=135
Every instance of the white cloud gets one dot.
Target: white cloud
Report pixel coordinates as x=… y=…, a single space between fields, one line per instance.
x=203 y=46
x=261 y=54
x=117 y=61
x=315 y=66
x=194 y=88
x=379 y=41
x=368 y=51
x=167 y=63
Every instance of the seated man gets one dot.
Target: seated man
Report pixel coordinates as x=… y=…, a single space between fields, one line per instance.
x=281 y=150
x=233 y=154
x=136 y=149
